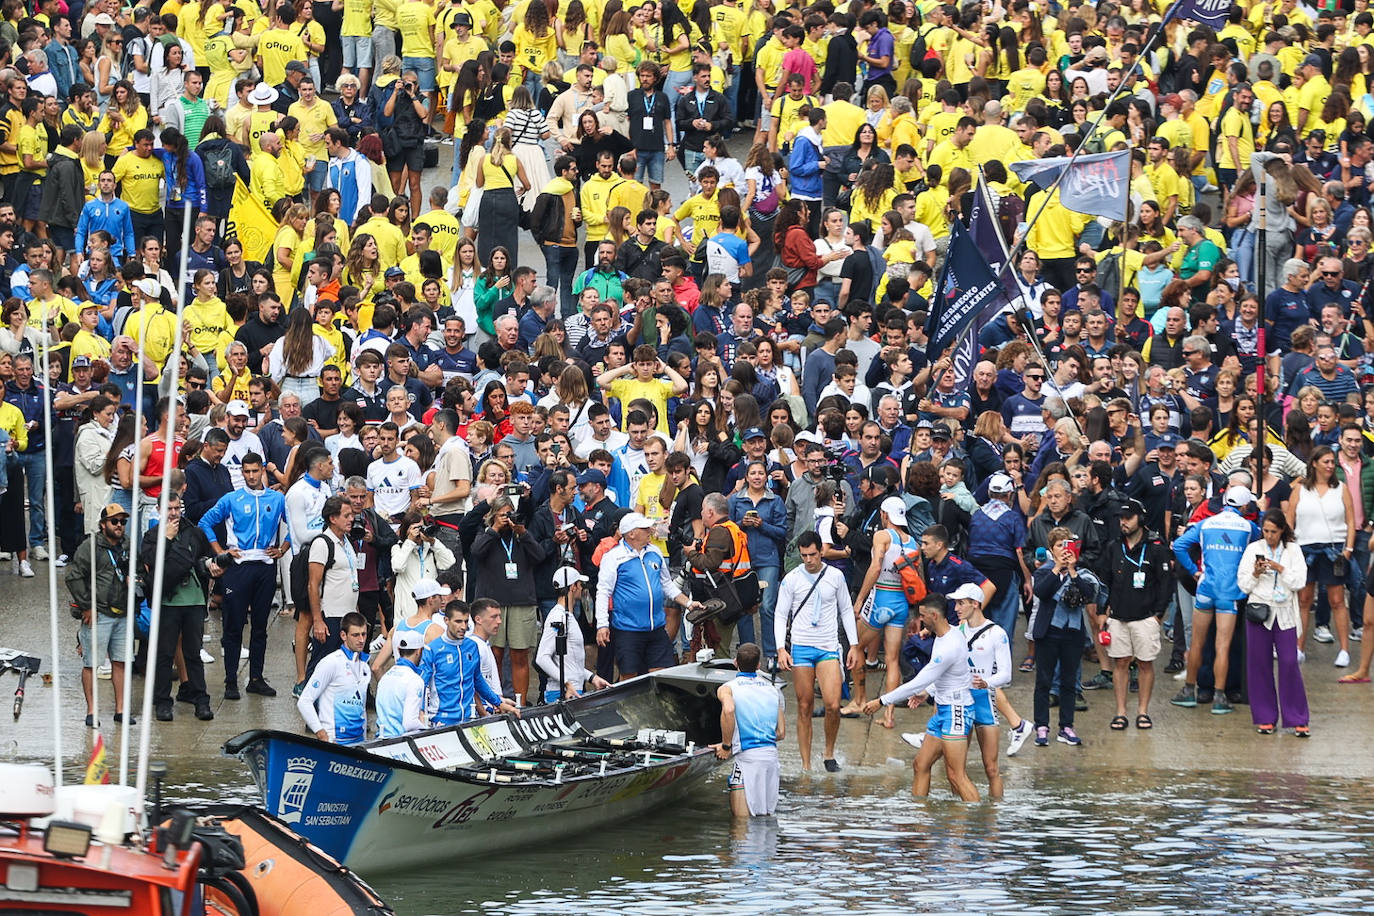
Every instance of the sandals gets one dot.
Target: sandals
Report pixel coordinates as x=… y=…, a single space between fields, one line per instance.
x=1264 y=729
x=1027 y=666
x=1352 y=679
x=1119 y=723
x=1143 y=722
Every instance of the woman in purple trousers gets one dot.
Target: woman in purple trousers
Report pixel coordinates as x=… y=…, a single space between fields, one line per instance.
x=1272 y=570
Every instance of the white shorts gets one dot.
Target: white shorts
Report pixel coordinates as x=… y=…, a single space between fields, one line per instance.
x=757 y=773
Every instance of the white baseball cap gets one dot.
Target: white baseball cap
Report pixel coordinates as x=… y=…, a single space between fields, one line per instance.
x=967 y=592
x=1239 y=496
x=1001 y=483
x=409 y=639
x=895 y=509
x=237 y=409
x=633 y=521
x=565 y=576
x=428 y=588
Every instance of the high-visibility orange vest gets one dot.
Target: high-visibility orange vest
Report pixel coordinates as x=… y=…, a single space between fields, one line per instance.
x=738 y=564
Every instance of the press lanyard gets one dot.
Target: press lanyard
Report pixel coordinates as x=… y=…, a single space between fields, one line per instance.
x=701 y=105
x=352 y=566
x=649 y=103
x=509 y=547
x=1137 y=563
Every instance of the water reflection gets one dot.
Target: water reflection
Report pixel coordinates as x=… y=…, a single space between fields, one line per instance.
x=1069 y=840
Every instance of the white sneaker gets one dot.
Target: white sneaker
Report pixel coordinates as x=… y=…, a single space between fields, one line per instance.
x=206 y=658
x=40 y=553
x=25 y=569
x=61 y=561
x=1357 y=634
x=1323 y=635
x=243 y=655
x=1182 y=675
x=104 y=672
x=1302 y=656
x=1018 y=737
x=915 y=739
x=6 y=555
x=1342 y=659
x=377 y=643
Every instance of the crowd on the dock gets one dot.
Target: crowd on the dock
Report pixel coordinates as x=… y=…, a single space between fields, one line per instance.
x=701 y=422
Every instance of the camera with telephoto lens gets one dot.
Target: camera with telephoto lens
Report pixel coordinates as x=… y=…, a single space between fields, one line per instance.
x=835 y=468
x=430 y=529
x=358 y=530
x=224 y=560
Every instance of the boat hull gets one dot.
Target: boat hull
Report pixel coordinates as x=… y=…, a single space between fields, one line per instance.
x=397 y=804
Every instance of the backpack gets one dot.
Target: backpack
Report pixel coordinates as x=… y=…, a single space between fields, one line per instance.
x=1109 y=272
x=1011 y=210
x=300 y=571
x=219 y=168
x=920 y=51
x=908 y=566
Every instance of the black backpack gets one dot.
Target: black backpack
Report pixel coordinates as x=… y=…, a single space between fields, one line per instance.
x=219 y=167
x=300 y=571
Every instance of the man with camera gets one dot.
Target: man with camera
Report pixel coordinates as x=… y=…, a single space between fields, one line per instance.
x=102 y=614
x=504 y=558
x=188 y=566
x=801 y=495
x=333 y=580
x=372 y=537
x=558 y=523
x=721 y=568
x=251 y=516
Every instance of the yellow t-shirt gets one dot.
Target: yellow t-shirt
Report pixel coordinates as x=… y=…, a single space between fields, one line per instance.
x=1163 y=181
x=860 y=211
x=650 y=486
x=139 y=179
x=445 y=232
x=930 y=210
x=209 y=321
x=948 y=157
x=941 y=127
x=1235 y=124
x=158 y=329
x=704 y=213
x=384 y=13
x=842 y=121
x=727 y=25
x=34 y=147
x=629 y=194
x=416 y=19
x=786 y=112
x=533 y=51
x=391 y=244
x=239 y=390
x=259 y=123
x=656 y=391
x=357 y=18
x=314 y=120
x=122 y=137
x=277 y=48
x=595 y=204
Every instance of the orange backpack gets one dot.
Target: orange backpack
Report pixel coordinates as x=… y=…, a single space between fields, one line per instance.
x=908 y=566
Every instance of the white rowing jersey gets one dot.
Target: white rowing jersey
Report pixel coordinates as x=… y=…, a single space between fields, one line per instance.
x=815 y=624
x=757 y=705
x=989 y=655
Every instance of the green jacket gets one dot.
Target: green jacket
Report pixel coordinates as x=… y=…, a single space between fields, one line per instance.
x=111 y=577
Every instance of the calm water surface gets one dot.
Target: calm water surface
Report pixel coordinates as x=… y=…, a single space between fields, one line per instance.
x=1076 y=840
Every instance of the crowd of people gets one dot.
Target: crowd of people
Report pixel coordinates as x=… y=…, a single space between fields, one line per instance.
x=708 y=421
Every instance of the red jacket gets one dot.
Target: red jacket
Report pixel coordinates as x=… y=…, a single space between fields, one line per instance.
x=798 y=250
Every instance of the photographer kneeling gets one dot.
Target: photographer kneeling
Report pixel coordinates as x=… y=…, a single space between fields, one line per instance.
x=188 y=566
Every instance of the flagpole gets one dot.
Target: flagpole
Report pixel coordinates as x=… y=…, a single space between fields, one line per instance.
x=1260 y=242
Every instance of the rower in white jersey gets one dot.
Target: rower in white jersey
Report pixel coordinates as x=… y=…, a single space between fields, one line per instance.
x=751 y=725
x=990 y=661
x=948 y=679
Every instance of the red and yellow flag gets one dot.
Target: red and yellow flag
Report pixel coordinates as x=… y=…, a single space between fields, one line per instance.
x=97 y=768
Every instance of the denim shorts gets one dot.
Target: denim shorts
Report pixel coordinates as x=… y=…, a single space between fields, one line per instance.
x=317 y=176
x=425 y=70
x=651 y=164
x=357 y=52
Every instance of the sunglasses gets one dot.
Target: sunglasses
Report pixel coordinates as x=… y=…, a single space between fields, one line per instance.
x=1190 y=352
x=117 y=521
x=1085 y=270
x=1034 y=378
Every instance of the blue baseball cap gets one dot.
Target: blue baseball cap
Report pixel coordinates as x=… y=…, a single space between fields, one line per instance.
x=754 y=432
x=591 y=475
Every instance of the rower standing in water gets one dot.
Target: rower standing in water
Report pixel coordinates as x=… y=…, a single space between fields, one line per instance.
x=948 y=678
x=751 y=725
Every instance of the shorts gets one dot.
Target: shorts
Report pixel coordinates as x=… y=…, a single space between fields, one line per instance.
x=110 y=634
x=984 y=709
x=887 y=602
x=519 y=628
x=640 y=651
x=413 y=158
x=357 y=52
x=810 y=656
x=424 y=69
x=649 y=163
x=1226 y=177
x=383 y=43
x=757 y=774
x=1138 y=639
x=1208 y=604
x=950 y=722
x=1319 y=568
x=315 y=178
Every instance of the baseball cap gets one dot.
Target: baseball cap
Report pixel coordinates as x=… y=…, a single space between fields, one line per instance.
x=754 y=432
x=149 y=287
x=394 y=272
x=1001 y=483
x=807 y=435
x=634 y=521
x=967 y=592
x=895 y=509
x=237 y=408
x=1239 y=496
x=924 y=424
x=565 y=576
x=428 y=588
x=104 y=19
x=876 y=473
x=113 y=510
x=591 y=475
x=1312 y=60
x=296 y=66
x=409 y=639
x=1133 y=507
x=940 y=431
x=81 y=362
